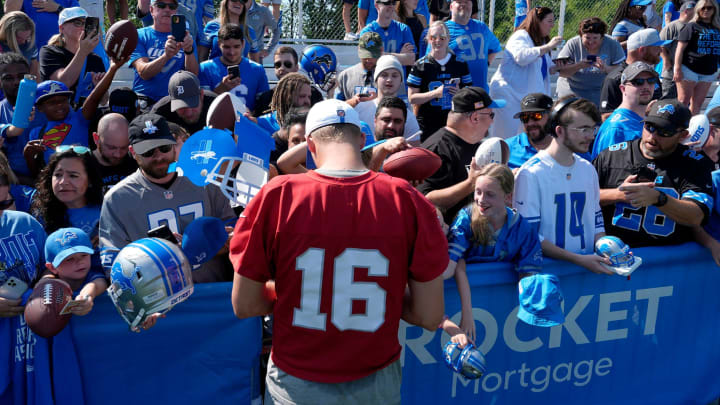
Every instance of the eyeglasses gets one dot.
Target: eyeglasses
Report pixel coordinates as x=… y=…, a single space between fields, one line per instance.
x=78 y=22
x=80 y=150
x=440 y=37
x=241 y=1
x=640 y=82
x=663 y=133
x=7 y=203
x=162 y=149
x=285 y=63
x=586 y=131
x=527 y=116
x=171 y=6
x=491 y=114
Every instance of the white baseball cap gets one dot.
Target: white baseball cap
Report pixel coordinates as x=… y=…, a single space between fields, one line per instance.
x=645 y=37
x=71 y=13
x=329 y=112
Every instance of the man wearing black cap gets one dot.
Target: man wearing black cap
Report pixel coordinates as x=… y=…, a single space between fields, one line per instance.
x=452 y=185
x=151 y=197
x=653 y=190
x=187 y=104
x=534 y=115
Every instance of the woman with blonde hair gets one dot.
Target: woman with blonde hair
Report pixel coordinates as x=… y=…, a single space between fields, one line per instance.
x=697 y=55
x=17 y=34
x=231 y=11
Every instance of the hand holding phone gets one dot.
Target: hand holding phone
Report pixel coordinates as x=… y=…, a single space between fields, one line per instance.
x=162 y=232
x=592 y=58
x=13 y=288
x=234 y=71
x=91 y=26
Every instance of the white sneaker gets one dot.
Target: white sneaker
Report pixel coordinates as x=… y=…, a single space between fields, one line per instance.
x=351 y=36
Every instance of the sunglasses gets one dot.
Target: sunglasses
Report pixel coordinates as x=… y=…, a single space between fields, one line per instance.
x=78 y=22
x=162 y=149
x=640 y=82
x=236 y=1
x=171 y=6
x=7 y=203
x=286 y=63
x=491 y=114
x=708 y=8
x=80 y=150
x=663 y=133
x=527 y=116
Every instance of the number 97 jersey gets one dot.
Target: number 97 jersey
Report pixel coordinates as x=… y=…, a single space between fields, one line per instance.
x=341 y=251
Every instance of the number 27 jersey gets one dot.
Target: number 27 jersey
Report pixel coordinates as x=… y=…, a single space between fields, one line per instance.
x=341 y=251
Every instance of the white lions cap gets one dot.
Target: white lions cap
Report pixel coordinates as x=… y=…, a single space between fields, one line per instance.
x=71 y=13
x=331 y=112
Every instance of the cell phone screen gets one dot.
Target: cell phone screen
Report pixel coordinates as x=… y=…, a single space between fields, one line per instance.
x=178 y=27
x=234 y=71
x=91 y=26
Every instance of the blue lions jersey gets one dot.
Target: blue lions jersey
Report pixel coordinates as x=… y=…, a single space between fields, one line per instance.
x=394 y=36
x=209 y=40
x=254 y=81
x=516 y=242
x=473 y=43
x=621 y=126
x=369 y=5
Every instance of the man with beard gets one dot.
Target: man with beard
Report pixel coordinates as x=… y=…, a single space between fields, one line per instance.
x=642 y=46
x=187 y=103
x=626 y=122
x=534 y=115
x=151 y=197
x=654 y=190
x=111 y=159
x=390 y=119
x=557 y=191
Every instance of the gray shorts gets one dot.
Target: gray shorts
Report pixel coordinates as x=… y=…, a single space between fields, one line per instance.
x=381 y=387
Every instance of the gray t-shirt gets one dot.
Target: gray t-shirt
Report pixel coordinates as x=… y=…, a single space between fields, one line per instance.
x=671 y=32
x=587 y=82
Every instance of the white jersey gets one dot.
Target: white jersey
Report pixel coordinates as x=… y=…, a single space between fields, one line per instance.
x=563 y=202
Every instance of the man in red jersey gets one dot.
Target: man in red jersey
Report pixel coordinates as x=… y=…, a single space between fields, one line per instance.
x=351 y=252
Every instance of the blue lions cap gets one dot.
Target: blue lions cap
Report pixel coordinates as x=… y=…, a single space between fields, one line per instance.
x=540 y=299
x=203 y=238
x=640 y=2
x=51 y=88
x=65 y=242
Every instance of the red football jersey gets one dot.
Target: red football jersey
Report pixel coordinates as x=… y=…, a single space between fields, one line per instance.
x=341 y=251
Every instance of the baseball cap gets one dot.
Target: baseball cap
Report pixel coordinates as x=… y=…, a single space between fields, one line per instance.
x=640 y=2
x=71 y=13
x=687 y=5
x=669 y=114
x=329 y=112
x=535 y=102
x=155 y=1
x=65 y=242
x=713 y=116
x=473 y=98
x=370 y=45
x=634 y=69
x=385 y=2
x=540 y=299
x=203 y=238
x=124 y=101
x=184 y=89
x=645 y=37
x=387 y=62
x=51 y=88
x=149 y=131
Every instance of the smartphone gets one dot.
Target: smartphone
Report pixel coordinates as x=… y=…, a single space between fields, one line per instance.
x=178 y=27
x=163 y=232
x=454 y=81
x=364 y=95
x=13 y=288
x=234 y=71
x=91 y=26
x=561 y=60
x=591 y=58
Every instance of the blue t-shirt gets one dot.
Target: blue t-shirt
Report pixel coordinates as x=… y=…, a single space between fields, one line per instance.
x=394 y=36
x=209 y=40
x=520 y=150
x=516 y=242
x=622 y=125
x=473 y=43
x=669 y=7
x=23 y=196
x=14 y=146
x=369 y=5
x=200 y=9
x=29 y=51
x=254 y=81
x=73 y=130
x=151 y=45
x=46 y=24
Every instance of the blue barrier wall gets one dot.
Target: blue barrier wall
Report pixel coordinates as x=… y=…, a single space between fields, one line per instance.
x=650 y=339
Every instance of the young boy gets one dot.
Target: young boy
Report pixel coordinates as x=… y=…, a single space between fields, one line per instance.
x=251 y=79
x=68 y=257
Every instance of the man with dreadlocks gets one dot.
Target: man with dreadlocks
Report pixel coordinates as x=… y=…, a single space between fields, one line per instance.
x=293 y=90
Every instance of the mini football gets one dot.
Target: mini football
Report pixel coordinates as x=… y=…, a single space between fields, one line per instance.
x=223 y=111
x=42 y=312
x=699 y=129
x=412 y=164
x=492 y=150
x=121 y=39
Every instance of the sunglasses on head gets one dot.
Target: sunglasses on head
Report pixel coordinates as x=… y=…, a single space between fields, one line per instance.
x=80 y=150
x=7 y=203
x=527 y=116
x=285 y=63
x=663 y=133
x=640 y=82
x=162 y=149
x=171 y=6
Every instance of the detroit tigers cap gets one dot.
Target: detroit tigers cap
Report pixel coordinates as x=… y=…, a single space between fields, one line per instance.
x=65 y=242
x=51 y=88
x=184 y=89
x=669 y=114
x=535 y=102
x=148 y=131
x=634 y=69
x=645 y=37
x=329 y=112
x=472 y=98
x=540 y=299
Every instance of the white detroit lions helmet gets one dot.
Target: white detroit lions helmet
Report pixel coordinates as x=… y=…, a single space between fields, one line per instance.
x=623 y=262
x=150 y=275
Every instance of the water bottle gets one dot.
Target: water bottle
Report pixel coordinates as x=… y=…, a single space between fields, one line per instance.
x=24 y=102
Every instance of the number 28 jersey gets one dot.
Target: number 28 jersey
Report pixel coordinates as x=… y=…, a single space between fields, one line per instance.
x=341 y=251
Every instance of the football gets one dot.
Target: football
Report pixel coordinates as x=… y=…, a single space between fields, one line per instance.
x=121 y=39
x=221 y=114
x=412 y=164
x=42 y=312
x=492 y=150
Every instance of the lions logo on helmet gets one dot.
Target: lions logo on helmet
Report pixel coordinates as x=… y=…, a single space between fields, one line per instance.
x=320 y=63
x=622 y=261
x=149 y=276
x=468 y=361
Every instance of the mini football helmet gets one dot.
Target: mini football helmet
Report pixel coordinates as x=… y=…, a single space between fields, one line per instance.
x=320 y=63
x=468 y=361
x=623 y=262
x=148 y=276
